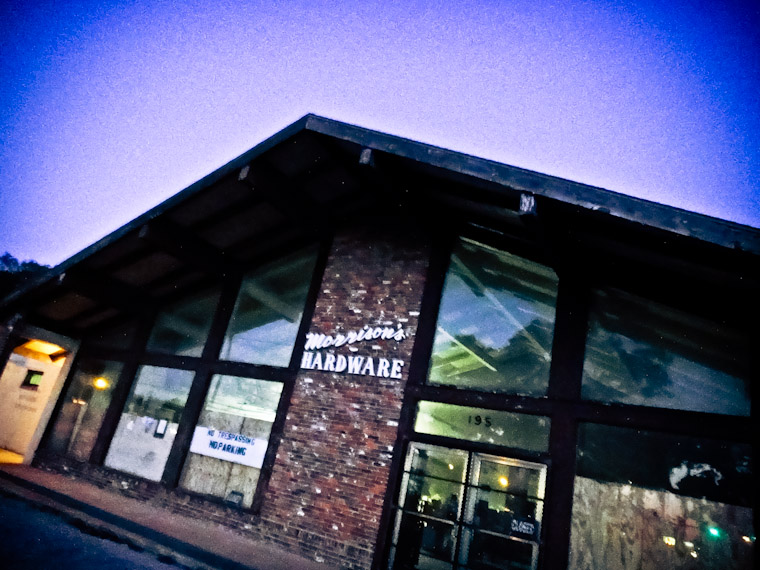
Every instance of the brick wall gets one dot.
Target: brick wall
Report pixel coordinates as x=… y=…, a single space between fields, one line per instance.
x=333 y=462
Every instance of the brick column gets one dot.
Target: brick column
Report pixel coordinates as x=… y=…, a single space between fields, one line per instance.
x=326 y=491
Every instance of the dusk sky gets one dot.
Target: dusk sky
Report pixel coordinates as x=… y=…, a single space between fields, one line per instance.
x=109 y=108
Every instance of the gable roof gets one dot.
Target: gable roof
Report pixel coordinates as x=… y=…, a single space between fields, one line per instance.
x=319 y=172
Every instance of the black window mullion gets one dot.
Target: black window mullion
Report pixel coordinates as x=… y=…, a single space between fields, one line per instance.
x=558 y=502
x=311 y=300
x=569 y=345
x=440 y=256
x=201 y=382
x=278 y=427
x=121 y=390
x=441 y=247
x=565 y=379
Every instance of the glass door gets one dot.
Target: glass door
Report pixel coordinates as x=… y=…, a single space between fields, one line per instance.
x=466 y=510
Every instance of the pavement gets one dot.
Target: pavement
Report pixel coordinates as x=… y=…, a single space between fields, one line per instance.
x=191 y=542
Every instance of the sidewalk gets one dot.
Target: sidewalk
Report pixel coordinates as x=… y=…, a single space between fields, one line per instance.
x=191 y=542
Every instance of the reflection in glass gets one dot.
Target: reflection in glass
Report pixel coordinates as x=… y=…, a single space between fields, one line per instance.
x=182 y=328
x=648 y=501
x=84 y=405
x=496 y=321
x=268 y=311
x=504 y=509
x=486 y=508
x=486 y=550
x=643 y=353
x=231 y=438
x=149 y=422
x=431 y=498
x=488 y=426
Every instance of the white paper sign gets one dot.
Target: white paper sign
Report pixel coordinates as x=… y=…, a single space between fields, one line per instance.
x=227 y=446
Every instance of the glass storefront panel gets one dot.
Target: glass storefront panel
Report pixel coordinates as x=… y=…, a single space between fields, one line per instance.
x=467 y=510
x=479 y=424
x=496 y=323
x=644 y=353
x=647 y=501
x=182 y=329
x=148 y=424
x=231 y=438
x=84 y=406
x=268 y=311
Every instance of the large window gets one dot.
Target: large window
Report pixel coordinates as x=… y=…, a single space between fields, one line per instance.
x=268 y=311
x=231 y=438
x=223 y=453
x=649 y=501
x=149 y=422
x=644 y=353
x=183 y=328
x=467 y=510
x=495 y=324
x=84 y=406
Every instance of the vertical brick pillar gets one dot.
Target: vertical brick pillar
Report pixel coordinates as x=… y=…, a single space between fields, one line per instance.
x=327 y=487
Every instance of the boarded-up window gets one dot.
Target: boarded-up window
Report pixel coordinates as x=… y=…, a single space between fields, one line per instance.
x=231 y=438
x=649 y=501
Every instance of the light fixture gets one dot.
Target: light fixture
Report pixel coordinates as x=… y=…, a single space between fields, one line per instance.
x=100 y=383
x=46 y=348
x=503 y=481
x=669 y=540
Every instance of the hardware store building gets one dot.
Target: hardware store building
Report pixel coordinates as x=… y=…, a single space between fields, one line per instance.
x=379 y=354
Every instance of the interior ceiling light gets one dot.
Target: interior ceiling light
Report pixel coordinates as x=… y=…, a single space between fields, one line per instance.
x=101 y=383
x=46 y=348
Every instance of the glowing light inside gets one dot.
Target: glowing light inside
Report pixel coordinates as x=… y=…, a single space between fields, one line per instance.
x=693 y=554
x=101 y=383
x=669 y=540
x=714 y=531
x=503 y=481
x=747 y=539
x=46 y=348
x=451 y=467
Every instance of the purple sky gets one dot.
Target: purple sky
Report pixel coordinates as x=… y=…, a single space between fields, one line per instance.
x=107 y=109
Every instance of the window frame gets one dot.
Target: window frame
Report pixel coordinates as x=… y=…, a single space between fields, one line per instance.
x=579 y=272
x=204 y=367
